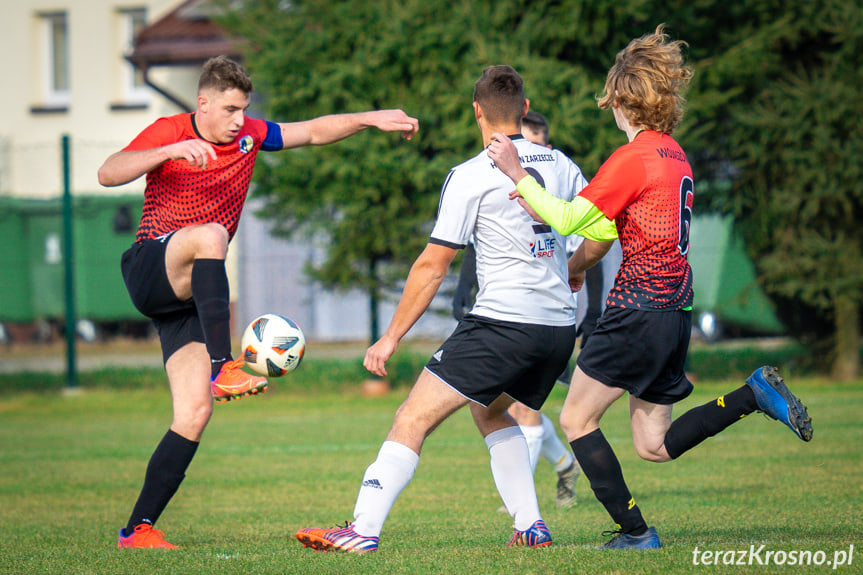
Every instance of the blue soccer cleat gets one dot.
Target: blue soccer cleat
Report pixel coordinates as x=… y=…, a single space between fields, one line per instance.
x=775 y=400
x=647 y=540
x=337 y=539
x=537 y=535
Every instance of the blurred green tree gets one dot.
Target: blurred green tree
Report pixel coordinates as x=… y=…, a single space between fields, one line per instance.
x=771 y=127
x=371 y=199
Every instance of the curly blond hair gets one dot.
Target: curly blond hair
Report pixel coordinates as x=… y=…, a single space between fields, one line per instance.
x=646 y=80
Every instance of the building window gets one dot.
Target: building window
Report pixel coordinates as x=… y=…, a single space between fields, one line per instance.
x=134 y=91
x=55 y=53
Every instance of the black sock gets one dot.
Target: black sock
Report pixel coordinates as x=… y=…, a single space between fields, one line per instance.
x=602 y=469
x=211 y=294
x=707 y=420
x=165 y=472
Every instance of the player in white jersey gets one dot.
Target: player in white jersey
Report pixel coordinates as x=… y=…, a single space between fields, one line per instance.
x=521 y=263
x=512 y=346
x=539 y=431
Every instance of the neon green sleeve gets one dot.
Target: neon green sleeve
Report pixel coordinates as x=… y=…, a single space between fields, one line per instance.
x=579 y=216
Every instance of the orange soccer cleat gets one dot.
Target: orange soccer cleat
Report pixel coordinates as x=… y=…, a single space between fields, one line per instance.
x=144 y=537
x=234 y=383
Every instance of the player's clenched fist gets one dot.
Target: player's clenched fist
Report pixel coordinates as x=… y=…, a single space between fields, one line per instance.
x=377 y=356
x=396 y=121
x=196 y=152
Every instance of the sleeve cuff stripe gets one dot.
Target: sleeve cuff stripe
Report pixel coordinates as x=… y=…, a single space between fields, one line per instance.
x=447 y=244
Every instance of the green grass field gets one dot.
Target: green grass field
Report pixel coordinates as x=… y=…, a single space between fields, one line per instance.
x=73 y=464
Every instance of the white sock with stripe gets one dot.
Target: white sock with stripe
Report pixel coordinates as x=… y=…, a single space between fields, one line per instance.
x=552 y=447
x=383 y=481
x=533 y=435
x=510 y=467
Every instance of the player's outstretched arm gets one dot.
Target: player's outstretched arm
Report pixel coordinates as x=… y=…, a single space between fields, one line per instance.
x=124 y=166
x=328 y=129
x=424 y=279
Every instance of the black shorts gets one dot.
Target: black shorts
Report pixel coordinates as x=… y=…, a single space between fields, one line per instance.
x=484 y=358
x=643 y=352
x=143 y=267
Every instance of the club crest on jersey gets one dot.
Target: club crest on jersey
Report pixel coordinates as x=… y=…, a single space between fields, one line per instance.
x=246 y=143
x=542 y=248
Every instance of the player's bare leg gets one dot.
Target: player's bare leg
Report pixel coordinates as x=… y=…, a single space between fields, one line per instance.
x=195 y=264
x=523 y=415
x=586 y=403
x=650 y=423
x=429 y=403
x=204 y=241
x=188 y=372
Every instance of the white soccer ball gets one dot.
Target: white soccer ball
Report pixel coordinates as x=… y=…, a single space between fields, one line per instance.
x=273 y=345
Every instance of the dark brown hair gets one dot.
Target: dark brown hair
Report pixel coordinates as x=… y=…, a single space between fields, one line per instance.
x=500 y=93
x=536 y=122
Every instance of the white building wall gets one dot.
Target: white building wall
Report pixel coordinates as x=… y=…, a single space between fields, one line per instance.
x=266 y=275
x=30 y=151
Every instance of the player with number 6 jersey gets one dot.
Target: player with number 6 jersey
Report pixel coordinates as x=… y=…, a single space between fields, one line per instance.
x=641 y=341
x=646 y=187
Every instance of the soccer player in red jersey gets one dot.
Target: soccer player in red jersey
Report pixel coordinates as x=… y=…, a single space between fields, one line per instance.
x=198 y=168
x=645 y=190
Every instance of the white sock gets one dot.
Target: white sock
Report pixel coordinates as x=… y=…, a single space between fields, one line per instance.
x=552 y=447
x=383 y=481
x=510 y=467
x=533 y=434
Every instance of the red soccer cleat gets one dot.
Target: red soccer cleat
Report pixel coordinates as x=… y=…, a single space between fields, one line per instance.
x=144 y=537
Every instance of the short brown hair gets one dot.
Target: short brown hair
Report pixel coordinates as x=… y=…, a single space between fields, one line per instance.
x=500 y=92
x=222 y=74
x=536 y=123
x=646 y=80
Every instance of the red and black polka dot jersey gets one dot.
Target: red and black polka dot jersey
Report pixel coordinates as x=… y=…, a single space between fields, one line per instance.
x=178 y=194
x=646 y=186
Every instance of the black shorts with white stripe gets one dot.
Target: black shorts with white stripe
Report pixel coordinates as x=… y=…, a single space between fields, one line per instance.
x=484 y=358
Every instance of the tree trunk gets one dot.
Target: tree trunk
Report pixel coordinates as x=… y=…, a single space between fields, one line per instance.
x=846 y=360
x=373 y=300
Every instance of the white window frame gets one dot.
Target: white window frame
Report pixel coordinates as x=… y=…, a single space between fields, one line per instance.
x=131 y=91
x=54 y=95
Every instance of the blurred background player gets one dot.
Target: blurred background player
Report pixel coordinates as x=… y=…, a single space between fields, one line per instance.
x=198 y=169
x=640 y=344
x=512 y=346
x=539 y=431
